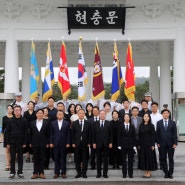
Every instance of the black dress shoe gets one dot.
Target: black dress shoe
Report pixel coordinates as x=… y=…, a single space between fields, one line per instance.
x=117 y=167
x=124 y=176
x=92 y=168
x=77 y=176
x=130 y=176
x=84 y=176
x=166 y=176
x=170 y=176
x=98 y=176
x=105 y=176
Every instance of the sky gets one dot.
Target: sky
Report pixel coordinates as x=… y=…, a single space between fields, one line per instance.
x=139 y=71
x=73 y=72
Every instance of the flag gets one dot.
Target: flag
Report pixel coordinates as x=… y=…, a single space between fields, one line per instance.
x=130 y=75
x=34 y=74
x=63 y=75
x=117 y=78
x=49 y=76
x=98 y=87
x=82 y=75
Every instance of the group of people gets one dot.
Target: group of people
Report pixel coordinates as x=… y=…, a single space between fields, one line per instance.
x=100 y=135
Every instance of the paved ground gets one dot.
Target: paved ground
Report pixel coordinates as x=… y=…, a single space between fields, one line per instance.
x=115 y=176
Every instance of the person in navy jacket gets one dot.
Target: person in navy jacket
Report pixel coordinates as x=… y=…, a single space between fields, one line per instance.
x=167 y=141
x=60 y=141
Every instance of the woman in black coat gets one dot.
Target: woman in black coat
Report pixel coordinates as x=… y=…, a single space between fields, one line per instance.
x=5 y=121
x=147 y=160
x=115 y=153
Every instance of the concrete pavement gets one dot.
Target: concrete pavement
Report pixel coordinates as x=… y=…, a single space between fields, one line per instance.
x=114 y=175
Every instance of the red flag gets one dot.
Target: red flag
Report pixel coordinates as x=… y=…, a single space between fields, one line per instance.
x=98 y=87
x=130 y=75
x=63 y=76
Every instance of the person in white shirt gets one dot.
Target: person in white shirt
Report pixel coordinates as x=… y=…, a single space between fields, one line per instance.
x=155 y=115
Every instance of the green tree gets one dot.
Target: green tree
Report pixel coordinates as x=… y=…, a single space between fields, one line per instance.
x=141 y=89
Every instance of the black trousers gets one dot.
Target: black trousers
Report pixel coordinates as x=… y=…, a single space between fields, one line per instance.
x=127 y=152
x=16 y=148
x=47 y=157
x=39 y=155
x=60 y=160
x=102 y=153
x=115 y=156
x=81 y=156
x=93 y=157
x=167 y=150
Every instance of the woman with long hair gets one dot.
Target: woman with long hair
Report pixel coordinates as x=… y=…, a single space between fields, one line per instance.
x=147 y=160
x=5 y=121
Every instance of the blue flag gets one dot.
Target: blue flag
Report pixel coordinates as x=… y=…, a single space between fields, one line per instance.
x=49 y=76
x=117 y=78
x=34 y=74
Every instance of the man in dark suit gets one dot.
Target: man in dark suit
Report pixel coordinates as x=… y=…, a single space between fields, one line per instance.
x=39 y=141
x=92 y=121
x=126 y=109
x=17 y=133
x=102 y=141
x=81 y=140
x=60 y=140
x=167 y=141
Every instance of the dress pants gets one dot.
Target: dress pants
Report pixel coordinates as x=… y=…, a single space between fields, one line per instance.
x=60 y=160
x=81 y=156
x=167 y=150
x=102 y=152
x=39 y=155
x=16 y=148
x=93 y=157
x=127 y=152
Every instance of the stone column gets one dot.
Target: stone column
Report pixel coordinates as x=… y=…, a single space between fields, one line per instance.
x=26 y=48
x=11 y=64
x=179 y=62
x=165 y=78
x=154 y=82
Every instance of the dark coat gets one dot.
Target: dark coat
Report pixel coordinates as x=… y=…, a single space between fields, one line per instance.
x=79 y=137
x=17 y=131
x=126 y=139
x=60 y=137
x=39 y=138
x=102 y=137
x=168 y=137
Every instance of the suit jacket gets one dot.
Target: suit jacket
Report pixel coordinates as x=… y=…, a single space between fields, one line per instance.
x=39 y=138
x=59 y=138
x=122 y=114
x=79 y=136
x=166 y=137
x=126 y=139
x=102 y=137
x=139 y=121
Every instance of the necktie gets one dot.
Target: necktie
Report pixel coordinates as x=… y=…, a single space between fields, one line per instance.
x=101 y=125
x=96 y=119
x=126 y=128
x=81 y=126
x=165 y=125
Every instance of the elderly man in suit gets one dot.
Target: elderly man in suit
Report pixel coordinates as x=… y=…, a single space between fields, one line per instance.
x=81 y=140
x=167 y=141
x=59 y=141
x=102 y=140
x=39 y=140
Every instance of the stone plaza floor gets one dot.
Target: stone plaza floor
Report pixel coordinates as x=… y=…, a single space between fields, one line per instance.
x=114 y=175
